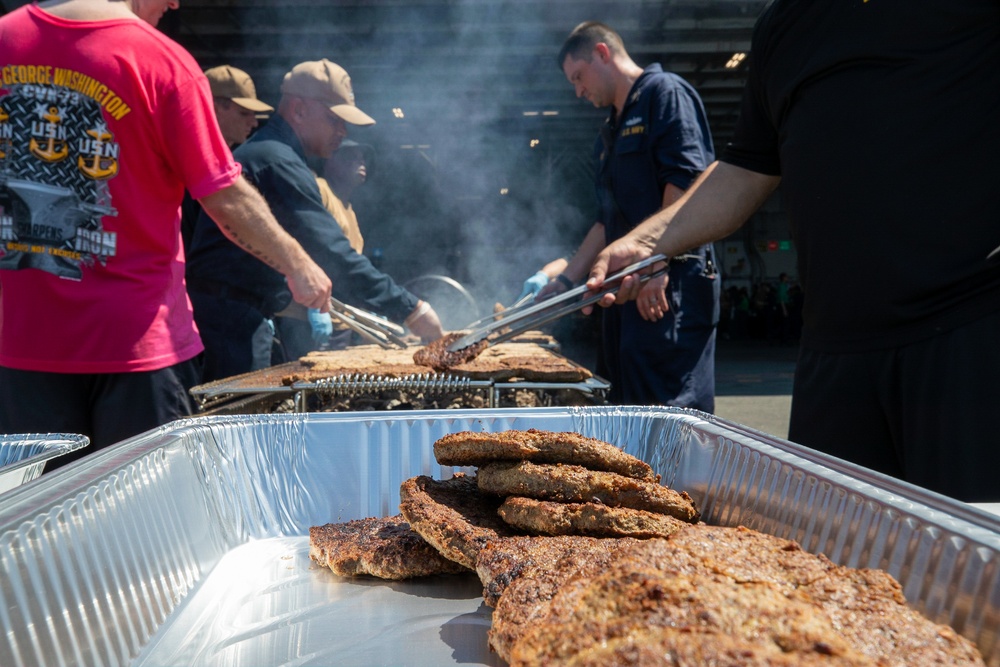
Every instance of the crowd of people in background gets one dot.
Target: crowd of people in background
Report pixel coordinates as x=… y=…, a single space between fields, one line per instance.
x=767 y=310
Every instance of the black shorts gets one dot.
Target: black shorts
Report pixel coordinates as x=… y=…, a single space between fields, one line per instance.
x=106 y=407
x=924 y=412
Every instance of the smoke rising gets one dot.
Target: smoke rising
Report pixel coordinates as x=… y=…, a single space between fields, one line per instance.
x=457 y=188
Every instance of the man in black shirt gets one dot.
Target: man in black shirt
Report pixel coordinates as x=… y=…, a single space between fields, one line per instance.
x=879 y=120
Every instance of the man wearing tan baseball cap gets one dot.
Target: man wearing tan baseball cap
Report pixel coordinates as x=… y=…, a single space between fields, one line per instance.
x=236 y=103
x=234 y=98
x=329 y=83
x=317 y=102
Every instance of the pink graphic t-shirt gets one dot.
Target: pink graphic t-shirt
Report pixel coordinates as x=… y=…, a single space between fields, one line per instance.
x=102 y=126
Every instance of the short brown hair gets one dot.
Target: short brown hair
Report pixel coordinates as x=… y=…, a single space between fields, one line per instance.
x=585 y=37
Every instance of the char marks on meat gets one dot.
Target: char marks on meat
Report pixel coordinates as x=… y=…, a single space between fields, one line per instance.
x=631 y=597
x=437 y=356
x=590 y=519
x=452 y=515
x=473 y=448
x=705 y=587
x=521 y=574
x=381 y=547
x=567 y=483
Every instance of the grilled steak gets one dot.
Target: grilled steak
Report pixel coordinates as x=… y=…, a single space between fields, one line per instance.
x=689 y=647
x=470 y=448
x=453 y=516
x=740 y=554
x=504 y=561
x=733 y=569
x=437 y=356
x=871 y=613
x=525 y=572
x=632 y=597
x=522 y=361
x=575 y=484
x=591 y=519
x=381 y=547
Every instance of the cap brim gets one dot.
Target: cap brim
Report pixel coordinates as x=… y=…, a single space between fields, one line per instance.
x=352 y=114
x=366 y=149
x=252 y=104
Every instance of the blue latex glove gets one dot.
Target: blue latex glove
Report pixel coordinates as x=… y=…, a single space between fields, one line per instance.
x=322 y=326
x=534 y=285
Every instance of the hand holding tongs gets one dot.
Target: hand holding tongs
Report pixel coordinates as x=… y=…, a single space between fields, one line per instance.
x=372 y=327
x=521 y=318
x=524 y=302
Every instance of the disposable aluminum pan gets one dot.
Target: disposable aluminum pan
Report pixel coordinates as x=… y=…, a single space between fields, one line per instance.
x=189 y=545
x=23 y=456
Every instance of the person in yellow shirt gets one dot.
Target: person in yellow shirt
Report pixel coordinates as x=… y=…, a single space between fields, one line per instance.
x=343 y=173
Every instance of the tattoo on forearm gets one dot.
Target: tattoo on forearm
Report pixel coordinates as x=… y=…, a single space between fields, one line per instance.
x=248 y=247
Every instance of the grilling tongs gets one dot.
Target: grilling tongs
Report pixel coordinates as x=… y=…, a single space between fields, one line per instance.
x=372 y=327
x=518 y=319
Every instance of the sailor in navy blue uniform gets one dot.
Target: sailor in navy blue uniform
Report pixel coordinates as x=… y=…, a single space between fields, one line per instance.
x=660 y=349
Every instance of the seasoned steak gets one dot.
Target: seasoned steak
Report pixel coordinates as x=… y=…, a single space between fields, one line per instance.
x=503 y=561
x=591 y=519
x=470 y=448
x=630 y=597
x=691 y=647
x=452 y=515
x=521 y=574
x=381 y=547
x=740 y=553
x=437 y=356
x=866 y=607
x=567 y=483
x=870 y=610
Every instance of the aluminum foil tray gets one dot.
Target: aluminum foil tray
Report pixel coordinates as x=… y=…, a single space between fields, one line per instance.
x=23 y=456
x=188 y=545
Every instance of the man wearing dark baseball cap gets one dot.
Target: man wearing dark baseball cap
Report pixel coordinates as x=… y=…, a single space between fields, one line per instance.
x=317 y=102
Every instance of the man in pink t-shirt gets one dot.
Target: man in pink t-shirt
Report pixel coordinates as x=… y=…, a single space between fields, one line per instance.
x=104 y=122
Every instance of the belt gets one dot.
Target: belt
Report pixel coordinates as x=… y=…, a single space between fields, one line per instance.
x=229 y=293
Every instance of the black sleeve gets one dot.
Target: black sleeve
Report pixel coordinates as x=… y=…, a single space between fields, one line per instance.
x=755 y=140
x=291 y=191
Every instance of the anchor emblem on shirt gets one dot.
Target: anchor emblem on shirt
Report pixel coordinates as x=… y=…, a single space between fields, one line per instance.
x=5 y=133
x=101 y=153
x=49 y=140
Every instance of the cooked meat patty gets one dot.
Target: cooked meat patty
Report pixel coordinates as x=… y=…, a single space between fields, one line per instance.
x=525 y=572
x=437 y=356
x=741 y=554
x=866 y=607
x=690 y=647
x=503 y=561
x=631 y=597
x=591 y=519
x=470 y=448
x=381 y=547
x=452 y=515
x=566 y=483
x=871 y=613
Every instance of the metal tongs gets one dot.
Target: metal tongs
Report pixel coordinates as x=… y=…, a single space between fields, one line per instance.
x=372 y=327
x=524 y=317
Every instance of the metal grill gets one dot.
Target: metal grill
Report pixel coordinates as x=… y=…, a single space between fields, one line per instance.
x=269 y=389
